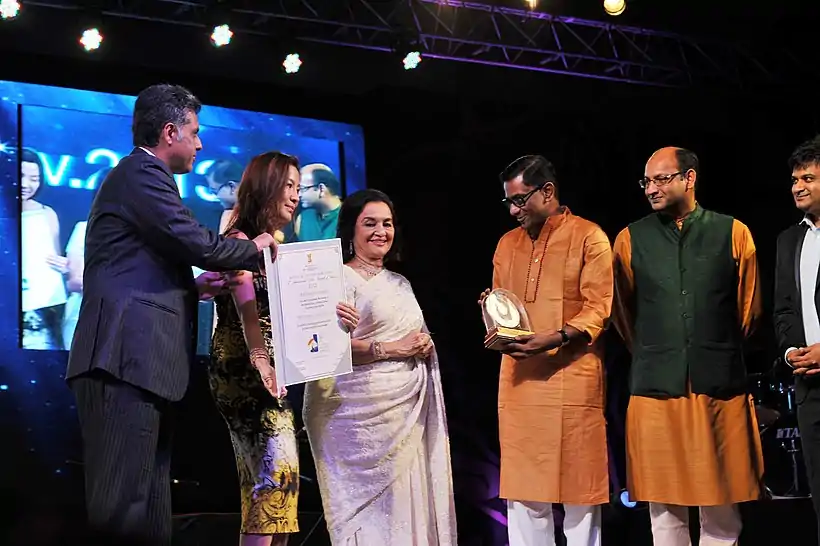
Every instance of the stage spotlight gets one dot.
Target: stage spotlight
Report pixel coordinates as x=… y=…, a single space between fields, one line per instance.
x=531 y=3
x=292 y=63
x=9 y=9
x=221 y=36
x=411 y=60
x=614 y=7
x=91 y=39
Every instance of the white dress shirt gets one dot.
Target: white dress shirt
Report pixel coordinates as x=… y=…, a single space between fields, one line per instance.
x=809 y=265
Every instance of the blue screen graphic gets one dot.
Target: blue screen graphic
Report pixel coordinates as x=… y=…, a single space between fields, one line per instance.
x=76 y=135
x=71 y=139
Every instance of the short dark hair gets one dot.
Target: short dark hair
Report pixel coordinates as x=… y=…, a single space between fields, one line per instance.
x=806 y=154
x=223 y=171
x=27 y=155
x=323 y=176
x=535 y=171
x=158 y=105
x=687 y=160
x=352 y=208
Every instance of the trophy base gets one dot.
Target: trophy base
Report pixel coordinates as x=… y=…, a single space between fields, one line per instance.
x=497 y=336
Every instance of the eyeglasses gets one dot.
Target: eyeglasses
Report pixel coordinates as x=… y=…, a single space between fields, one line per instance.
x=520 y=200
x=660 y=180
x=231 y=185
x=303 y=189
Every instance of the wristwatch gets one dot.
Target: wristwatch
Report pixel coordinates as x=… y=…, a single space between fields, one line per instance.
x=564 y=337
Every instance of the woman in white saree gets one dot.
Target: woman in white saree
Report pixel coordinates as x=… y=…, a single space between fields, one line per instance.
x=379 y=435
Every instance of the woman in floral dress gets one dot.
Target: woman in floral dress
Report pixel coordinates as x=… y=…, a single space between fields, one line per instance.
x=241 y=374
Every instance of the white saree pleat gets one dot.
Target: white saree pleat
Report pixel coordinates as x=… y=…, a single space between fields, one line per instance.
x=379 y=435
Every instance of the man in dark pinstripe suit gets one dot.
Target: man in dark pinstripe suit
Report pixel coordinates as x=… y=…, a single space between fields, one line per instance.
x=135 y=336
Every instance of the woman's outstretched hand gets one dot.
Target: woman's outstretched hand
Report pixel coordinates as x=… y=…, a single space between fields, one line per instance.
x=268 y=376
x=348 y=315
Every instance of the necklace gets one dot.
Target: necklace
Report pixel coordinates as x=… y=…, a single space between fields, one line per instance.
x=371 y=270
x=540 y=259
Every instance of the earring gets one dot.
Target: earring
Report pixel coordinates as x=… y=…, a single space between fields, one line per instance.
x=352 y=253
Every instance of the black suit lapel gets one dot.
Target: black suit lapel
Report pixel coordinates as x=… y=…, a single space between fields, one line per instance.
x=798 y=251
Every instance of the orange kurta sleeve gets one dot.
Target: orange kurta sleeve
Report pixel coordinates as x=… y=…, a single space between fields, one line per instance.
x=595 y=286
x=497 y=266
x=623 y=308
x=749 y=302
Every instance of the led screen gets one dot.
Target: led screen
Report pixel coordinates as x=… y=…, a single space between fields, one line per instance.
x=68 y=141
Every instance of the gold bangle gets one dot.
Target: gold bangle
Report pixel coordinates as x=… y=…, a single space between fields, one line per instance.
x=259 y=354
x=260 y=362
x=258 y=351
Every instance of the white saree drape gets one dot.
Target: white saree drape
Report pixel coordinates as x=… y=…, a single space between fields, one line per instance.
x=379 y=434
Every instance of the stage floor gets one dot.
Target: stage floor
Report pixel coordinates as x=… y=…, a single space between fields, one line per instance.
x=768 y=523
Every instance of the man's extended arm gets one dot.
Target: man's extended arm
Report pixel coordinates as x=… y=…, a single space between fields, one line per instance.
x=167 y=224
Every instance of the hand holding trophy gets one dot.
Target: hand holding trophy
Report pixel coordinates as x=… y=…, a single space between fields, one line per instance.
x=505 y=318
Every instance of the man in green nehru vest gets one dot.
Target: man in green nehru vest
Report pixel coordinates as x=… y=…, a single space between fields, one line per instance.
x=687 y=295
x=320 y=201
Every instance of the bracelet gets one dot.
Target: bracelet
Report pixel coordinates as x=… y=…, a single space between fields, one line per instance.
x=257 y=354
x=564 y=337
x=378 y=350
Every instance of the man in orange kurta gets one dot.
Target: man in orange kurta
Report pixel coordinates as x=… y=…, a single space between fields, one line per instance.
x=551 y=389
x=686 y=296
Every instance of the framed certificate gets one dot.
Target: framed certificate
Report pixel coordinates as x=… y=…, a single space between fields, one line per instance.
x=304 y=285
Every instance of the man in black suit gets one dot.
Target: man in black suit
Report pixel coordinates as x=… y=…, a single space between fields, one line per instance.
x=797 y=303
x=135 y=335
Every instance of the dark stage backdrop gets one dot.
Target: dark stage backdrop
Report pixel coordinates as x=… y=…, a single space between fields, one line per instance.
x=438 y=157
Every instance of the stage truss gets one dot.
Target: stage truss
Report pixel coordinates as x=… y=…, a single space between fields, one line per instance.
x=483 y=33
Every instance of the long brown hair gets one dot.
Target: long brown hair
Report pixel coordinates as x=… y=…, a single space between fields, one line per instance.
x=260 y=194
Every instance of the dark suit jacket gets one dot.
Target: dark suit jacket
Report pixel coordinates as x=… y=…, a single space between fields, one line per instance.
x=788 y=314
x=138 y=316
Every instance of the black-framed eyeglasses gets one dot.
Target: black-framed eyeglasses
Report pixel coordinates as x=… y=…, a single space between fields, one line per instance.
x=231 y=184
x=303 y=189
x=660 y=180
x=520 y=200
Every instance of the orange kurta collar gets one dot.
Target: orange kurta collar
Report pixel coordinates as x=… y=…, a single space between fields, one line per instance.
x=552 y=223
x=538 y=252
